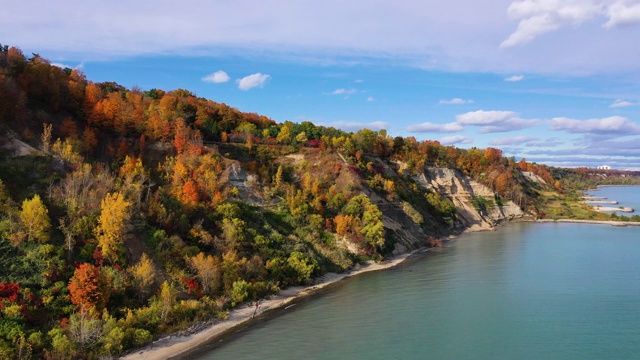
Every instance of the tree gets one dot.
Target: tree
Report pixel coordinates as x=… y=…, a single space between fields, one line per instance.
x=35 y=219
x=277 y=179
x=111 y=225
x=302 y=265
x=88 y=288
x=167 y=298
x=46 y=137
x=208 y=269
x=68 y=233
x=143 y=275
x=284 y=136
x=85 y=328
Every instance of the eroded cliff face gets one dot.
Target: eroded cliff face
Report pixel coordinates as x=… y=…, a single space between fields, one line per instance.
x=463 y=192
x=403 y=233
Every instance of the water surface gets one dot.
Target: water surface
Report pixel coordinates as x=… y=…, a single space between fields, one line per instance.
x=626 y=196
x=526 y=291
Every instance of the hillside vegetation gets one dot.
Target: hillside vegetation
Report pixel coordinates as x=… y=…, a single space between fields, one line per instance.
x=128 y=214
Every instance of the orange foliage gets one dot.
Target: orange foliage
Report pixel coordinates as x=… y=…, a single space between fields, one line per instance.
x=190 y=194
x=88 y=288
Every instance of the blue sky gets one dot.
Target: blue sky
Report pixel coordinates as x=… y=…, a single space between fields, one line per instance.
x=554 y=81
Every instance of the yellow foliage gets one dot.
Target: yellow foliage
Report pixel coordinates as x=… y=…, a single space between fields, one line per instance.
x=143 y=274
x=111 y=224
x=208 y=269
x=35 y=219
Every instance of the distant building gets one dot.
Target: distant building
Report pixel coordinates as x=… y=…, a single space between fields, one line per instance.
x=604 y=167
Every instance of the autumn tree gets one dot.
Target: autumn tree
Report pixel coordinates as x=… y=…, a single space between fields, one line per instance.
x=85 y=328
x=167 y=298
x=88 y=288
x=34 y=218
x=277 y=178
x=143 y=275
x=111 y=225
x=284 y=136
x=46 y=137
x=208 y=269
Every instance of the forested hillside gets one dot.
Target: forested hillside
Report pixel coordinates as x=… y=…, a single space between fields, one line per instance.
x=126 y=214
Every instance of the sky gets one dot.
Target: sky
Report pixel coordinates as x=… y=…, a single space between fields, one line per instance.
x=553 y=81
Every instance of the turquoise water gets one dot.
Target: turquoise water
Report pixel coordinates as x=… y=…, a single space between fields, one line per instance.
x=526 y=291
x=627 y=196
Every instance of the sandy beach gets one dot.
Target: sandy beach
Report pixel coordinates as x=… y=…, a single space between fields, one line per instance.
x=175 y=345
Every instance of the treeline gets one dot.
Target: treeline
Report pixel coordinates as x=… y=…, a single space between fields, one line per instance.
x=145 y=211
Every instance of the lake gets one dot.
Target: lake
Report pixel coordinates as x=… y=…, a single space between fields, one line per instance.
x=626 y=196
x=526 y=291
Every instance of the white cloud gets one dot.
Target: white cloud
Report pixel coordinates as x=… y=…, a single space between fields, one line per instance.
x=515 y=78
x=217 y=77
x=609 y=125
x=455 y=139
x=371 y=99
x=251 y=81
x=436 y=128
x=358 y=81
x=538 y=17
x=620 y=14
x=516 y=140
x=343 y=91
x=455 y=101
x=482 y=117
x=495 y=121
x=355 y=126
x=621 y=103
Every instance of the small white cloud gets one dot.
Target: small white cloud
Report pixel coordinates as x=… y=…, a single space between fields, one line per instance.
x=358 y=81
x=455 y=139
x=515 y=78
x=371 y=99
x=620 y=14
x=621 y=103
x=343 y=91
x=217 y=77
x=436 y=128
x=251 y=81
x=455 y=101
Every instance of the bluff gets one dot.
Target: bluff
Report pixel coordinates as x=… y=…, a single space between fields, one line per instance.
x=131 y=214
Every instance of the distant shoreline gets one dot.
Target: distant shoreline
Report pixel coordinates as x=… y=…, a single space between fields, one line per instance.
x=597 y=222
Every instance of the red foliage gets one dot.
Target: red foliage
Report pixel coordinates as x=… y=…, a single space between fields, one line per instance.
x=9 y=291
x=193 y=286
x=97 y=257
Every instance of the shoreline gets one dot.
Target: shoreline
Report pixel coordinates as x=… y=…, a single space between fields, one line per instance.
x=173 y=346
x=596 y=222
